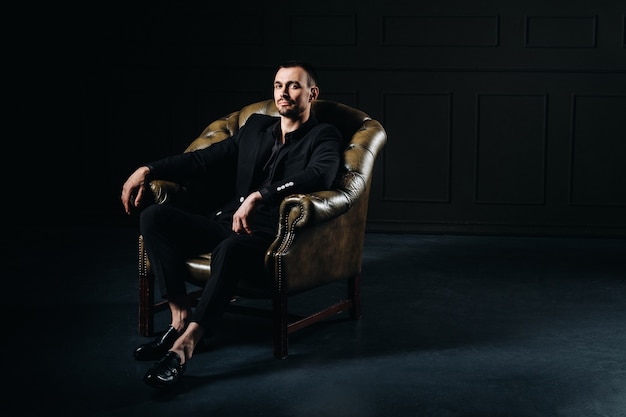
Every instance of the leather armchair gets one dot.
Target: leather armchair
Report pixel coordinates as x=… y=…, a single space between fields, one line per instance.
x=319 y=238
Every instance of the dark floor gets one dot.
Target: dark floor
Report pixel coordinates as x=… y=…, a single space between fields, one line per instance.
x=452 y=326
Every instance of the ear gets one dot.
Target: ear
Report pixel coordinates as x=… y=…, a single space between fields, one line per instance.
x=315 y=92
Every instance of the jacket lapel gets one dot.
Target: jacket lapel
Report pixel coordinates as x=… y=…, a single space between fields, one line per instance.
x=256 y=151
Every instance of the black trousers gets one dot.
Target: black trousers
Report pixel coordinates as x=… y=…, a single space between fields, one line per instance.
x=172 y=235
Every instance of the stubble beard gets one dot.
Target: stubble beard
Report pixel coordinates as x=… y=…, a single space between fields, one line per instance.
x=290 y=113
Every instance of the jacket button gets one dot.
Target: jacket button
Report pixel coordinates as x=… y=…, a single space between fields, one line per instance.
x=241 y=199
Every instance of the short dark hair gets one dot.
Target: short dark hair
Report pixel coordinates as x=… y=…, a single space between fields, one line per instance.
x=306 y=66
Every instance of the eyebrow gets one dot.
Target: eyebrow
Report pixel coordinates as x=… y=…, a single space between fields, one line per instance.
x=287 y=83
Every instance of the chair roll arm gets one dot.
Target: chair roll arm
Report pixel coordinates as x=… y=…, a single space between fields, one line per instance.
x=304 y=210
x=164 y=191
x=322 y=227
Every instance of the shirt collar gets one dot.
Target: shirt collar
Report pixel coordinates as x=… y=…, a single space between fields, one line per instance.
x=298 y=133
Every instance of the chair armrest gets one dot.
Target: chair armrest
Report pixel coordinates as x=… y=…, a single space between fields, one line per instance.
x=305 y=210
x=324 y=227
x=164 y=191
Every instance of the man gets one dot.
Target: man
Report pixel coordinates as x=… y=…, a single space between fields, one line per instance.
x=272 y=157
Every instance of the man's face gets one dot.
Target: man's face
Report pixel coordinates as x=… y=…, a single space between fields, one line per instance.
x=292 y=94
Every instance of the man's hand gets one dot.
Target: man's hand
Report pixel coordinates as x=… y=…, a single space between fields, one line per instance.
x=133 y=188
x=241 y=218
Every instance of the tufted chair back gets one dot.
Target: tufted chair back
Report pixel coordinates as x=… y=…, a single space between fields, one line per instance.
x=320 y=235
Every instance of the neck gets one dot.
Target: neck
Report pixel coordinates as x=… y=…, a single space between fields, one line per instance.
x=288 y=125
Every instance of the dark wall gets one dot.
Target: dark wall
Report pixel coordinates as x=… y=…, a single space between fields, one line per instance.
x=502 y=116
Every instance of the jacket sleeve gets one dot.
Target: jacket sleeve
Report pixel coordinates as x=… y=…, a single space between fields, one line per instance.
x=322 y=159
x=199 y=163
x=214 y=160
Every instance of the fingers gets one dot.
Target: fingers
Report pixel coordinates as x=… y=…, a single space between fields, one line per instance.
x=244 y=213
x=133 y=188
x=125 y=197
x=240 y=225
x=138 y=197
x=131 y=197
x=236 y=224
x=246 y=228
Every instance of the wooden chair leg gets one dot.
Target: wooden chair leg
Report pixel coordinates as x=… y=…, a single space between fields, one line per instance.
x=354 y=294
x=280 y=318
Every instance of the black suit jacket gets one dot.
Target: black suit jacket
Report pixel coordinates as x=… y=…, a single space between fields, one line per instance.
x=308 y=162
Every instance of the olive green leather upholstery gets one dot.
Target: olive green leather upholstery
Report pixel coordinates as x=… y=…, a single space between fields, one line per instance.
x=320 y=235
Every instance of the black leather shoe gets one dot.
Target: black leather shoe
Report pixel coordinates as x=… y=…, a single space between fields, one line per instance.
x=165 y=372
x=158 y=347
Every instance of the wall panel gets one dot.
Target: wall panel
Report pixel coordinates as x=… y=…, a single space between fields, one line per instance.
x=510 y=153
x=440 y=31
x=598 y=149
x=561 y=31
x=416 y=167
